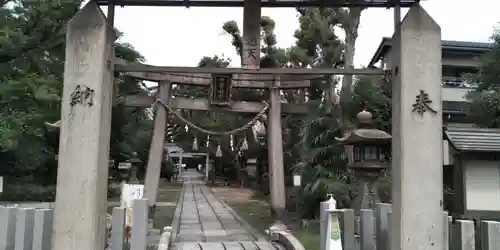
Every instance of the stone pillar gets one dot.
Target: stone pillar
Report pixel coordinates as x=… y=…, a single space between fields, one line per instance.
x=82 y=177
x=417 y=174
x=111 y=14
x=367 y=192
x=251 y=60
x=250 y=56
x=275 y=153
x=156 y=149
x=397 y=15
x=180 y=164
x=207 y=168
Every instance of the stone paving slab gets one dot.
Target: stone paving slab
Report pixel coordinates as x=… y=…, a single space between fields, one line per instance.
x=226 y=245
x=204 y=219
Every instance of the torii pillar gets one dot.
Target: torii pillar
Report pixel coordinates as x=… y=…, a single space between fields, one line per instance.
x=250 y=59
x=153 y=169
x=417 y=192
x=82 y=175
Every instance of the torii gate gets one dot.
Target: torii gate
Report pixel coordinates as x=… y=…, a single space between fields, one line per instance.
x=79 y=221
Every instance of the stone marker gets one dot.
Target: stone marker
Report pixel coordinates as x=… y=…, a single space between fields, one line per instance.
x=82 y=177
x=417 y=211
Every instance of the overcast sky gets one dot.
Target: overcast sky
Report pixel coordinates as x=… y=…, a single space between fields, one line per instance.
x=176 y=36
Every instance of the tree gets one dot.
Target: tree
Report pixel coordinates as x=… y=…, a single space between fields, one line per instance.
x=32 y=43
x=28 y=27
x=485 y=106
x=348 y=19
x=322 y=162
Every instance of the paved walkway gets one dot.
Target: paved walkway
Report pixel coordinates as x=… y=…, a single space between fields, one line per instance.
x=206 y=223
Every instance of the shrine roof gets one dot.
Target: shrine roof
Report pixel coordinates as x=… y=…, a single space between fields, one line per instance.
x=264 y=3
x=474 y=139
x=171 y=147
x=448 y=46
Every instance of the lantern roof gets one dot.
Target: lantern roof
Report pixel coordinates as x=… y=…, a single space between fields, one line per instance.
x=365 y=133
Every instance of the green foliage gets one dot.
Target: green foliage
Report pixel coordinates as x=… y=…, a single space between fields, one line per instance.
x=33 y=192
x=319 y=159
x=32 y=47
x=28 y=192
x=309 y=142
x=322 y=163
x=374 y=95
x=484 y=109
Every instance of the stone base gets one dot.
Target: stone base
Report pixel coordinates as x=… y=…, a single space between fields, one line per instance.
x=278 y=214
x=277 y=226
x=151 y=215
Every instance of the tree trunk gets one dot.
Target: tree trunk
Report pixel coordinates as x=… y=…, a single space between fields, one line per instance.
x=350 y=26
x=330 y=95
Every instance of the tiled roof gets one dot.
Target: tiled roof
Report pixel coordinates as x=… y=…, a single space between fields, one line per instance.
x=474 y=139
x=457 y=108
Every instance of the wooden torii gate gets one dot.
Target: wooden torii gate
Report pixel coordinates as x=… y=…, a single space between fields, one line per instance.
x=79 y=219
x=221 y=81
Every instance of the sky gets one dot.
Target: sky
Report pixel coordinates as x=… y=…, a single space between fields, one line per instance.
x=177 y=36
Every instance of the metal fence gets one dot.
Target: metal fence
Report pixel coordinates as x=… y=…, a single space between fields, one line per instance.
x=30 y=227
x=371 y=231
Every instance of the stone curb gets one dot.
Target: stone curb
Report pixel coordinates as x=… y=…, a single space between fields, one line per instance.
x=256 y=234
x=177 y=217
x=164 y=242
x=286 y=239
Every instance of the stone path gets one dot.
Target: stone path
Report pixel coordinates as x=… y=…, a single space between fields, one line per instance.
x=204 y=218
x=205 y=223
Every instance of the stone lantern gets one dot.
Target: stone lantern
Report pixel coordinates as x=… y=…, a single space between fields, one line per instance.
x=251 y=167
x=369 y=146
x=134 y=167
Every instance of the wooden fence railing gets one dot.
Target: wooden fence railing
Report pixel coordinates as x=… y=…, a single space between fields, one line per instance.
x=371 y=231
x=31 y=228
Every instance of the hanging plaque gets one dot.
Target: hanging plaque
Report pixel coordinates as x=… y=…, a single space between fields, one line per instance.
x=221 y=89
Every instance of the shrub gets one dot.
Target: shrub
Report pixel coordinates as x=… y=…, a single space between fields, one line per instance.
x=30 y=192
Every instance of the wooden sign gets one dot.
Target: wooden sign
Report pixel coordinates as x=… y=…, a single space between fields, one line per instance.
x=221 y=89
x=124 y=165
x=297 y=180
x=130 y=192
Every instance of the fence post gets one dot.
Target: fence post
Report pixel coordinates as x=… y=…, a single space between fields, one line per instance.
x=24 y=229
x=490 y=235
x=117 y=228
x=323 y=224
x=446 y=221
x=139 y=237
x=333 y=234
x=7 y=227
x=327 y=208
x=463 y=235
x=42 y=229
x=366 y=233
x=347 y=229
x=389 y=233
x=382 y=225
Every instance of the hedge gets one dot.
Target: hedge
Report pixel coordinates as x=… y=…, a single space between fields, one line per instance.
x=30 y=192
